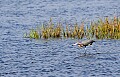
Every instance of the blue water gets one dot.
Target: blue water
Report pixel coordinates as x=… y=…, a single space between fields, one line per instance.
x=24 y=57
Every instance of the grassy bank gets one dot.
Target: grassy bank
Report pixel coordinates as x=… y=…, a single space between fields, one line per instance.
x=102 y=29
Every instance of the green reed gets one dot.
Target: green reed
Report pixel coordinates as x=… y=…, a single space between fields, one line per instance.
x=102 y=29
x=106 y=28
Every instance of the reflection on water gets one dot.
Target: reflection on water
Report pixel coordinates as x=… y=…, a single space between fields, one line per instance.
x=24 y=57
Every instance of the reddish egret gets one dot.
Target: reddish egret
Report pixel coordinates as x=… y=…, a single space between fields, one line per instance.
x=84 y=44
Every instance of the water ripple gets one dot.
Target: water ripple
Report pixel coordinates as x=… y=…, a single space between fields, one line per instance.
x=54 y=58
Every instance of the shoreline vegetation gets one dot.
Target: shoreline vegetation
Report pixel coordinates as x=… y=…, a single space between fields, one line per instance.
x=101 y=29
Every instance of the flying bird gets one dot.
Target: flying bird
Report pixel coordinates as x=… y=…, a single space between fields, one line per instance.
x=84 y=43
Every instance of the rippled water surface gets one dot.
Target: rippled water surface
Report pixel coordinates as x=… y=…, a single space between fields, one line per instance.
x=24 y=57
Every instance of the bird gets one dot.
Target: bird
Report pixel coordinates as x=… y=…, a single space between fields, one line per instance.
x=84 y=44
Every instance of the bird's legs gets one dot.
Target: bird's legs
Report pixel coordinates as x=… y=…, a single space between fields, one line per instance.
x=85 y=51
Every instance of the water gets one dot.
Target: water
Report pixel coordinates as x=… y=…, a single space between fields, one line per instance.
x=24 y=57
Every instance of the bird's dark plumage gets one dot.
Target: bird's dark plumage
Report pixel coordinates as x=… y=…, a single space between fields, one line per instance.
x=87 y=42
x=84 y=43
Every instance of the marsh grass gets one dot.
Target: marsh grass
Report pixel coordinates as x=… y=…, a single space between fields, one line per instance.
x=77 y=31
x=51 y=31
x=106 y=28
x=102 y=29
